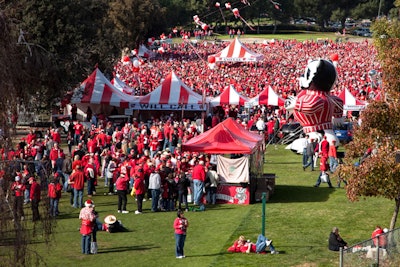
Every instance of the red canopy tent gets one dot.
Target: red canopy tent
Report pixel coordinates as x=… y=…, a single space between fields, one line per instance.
x=268 y=97
x=237 y=52
x=228 y=137
x=229 y=97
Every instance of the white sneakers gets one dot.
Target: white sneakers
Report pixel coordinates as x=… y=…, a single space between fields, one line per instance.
x=137 y=212
x=125 y=211
x=274 y=252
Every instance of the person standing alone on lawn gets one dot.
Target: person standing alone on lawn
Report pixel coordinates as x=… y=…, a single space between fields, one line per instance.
x=180 y=225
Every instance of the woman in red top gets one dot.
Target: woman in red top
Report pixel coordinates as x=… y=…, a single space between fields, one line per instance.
x=180 y=225
x=18 y=189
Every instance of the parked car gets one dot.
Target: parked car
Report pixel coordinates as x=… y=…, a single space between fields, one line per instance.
x=365 y=32
x=290 y=132
x=344 y=132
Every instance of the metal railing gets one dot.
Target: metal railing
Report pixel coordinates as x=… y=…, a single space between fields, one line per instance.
x=382 y=251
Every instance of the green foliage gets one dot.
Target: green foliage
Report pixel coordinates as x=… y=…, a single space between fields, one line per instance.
x=378 y=174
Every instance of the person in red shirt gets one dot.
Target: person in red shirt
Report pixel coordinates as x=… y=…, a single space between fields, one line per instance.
x=180 y=225
x=323 y=167
x=140 y=189
x=78 y=130
x=35 y=198
x=324 y=147
x=378 y=237
x=121 y=185
x=54 y=193
x=198 y=176
x=18 y=188
x=77 y=179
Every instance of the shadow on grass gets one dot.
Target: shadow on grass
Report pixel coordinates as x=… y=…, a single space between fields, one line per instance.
x=129 y=248
x=289 y=193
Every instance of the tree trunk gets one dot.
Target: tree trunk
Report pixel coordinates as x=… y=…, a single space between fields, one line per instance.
x=395 y=214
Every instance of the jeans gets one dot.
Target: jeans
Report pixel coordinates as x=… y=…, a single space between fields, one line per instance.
x=198 y=191
x=90 y=186
x=78 y=198
x=54 y=207
x=139 y=199
x=86 y=240
x=179 y=244
x=332 y=164
x=26 y=196
x=309 y=163
x=212 y=195
x=305 y=157
x=122 y=199
x=155 y=195
x=182 y=198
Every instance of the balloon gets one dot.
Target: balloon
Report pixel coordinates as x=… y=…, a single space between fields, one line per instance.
x=126 y=59
x=204 y=26
x=217 y=4
x=211 y=59
x=136 y=63
x=134 y=52
x=334 y=57
x=196 y=18
x=228 y=5
x=161 y=50
x=236 y=12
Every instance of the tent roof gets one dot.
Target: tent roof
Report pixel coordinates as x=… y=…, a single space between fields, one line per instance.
x=123 y=87
x=229 y=97
x=172 y=93
x=350 y=102
x=268 y=97
x=97 y=89
x=228 y=137
x=237 y=52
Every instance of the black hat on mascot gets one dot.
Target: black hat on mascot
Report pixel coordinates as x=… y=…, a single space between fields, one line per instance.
x=321 y=73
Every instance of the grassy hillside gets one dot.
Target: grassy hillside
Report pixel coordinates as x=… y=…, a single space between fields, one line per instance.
x=299 y=220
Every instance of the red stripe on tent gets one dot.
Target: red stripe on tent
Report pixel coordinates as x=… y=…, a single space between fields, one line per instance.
x=165 y=90
x=231 y=50
x=107 y=94
x=224 y=97
x=183 y=96
x=89 y=85
x=242 y=52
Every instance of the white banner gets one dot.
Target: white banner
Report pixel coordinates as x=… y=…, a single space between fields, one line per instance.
x=233 y=170
x=189 y=107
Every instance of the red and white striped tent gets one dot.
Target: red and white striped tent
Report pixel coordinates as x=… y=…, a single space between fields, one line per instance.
x=350 y=102
x=237 y=52
x=267 y=97
x=123 y=87
x=99 y=93
x=172 y=94
x=229 y=97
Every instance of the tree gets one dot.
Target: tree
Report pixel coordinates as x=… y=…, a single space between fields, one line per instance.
x=378 y=175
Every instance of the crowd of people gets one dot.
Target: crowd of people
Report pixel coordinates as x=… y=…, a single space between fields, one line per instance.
x=283 y=63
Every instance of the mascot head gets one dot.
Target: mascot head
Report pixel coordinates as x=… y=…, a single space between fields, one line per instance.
x=319 y=75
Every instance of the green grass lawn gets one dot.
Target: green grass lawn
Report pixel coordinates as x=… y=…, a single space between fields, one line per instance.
x=299 y=219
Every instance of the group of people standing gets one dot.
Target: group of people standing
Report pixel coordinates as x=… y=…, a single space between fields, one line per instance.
x=328 y=158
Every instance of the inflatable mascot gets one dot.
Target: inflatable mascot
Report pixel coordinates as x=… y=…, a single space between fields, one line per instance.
x=314 y=107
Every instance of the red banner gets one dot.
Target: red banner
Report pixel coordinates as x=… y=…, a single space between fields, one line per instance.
x=233 y=194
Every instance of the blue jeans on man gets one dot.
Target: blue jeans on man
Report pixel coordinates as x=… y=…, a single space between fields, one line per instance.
x=198 y=191
x=54 y=206
x=155 y=196
x=78 y=198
